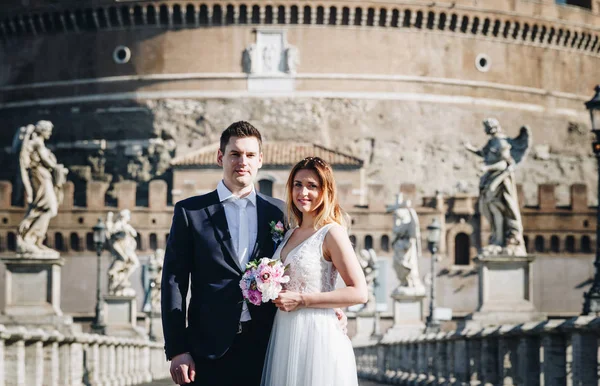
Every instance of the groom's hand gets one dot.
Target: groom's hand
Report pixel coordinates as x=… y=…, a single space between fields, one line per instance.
x=183 y=369
x=342 y=320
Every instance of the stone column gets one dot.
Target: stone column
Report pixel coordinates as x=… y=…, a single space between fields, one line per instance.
x=14 y=360
x=34 y=359
x=461 y=362
x=51 y=359
x=489 y=360
x=528 y=369
x=474 y=352
x=554 y=364
x=585 y=357
x=94 y=362
x=508 y=360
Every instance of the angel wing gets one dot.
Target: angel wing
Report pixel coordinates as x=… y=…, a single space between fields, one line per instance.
x=520 y=145
x=20 y=146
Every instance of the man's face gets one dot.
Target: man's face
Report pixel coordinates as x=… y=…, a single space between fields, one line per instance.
x=240 y=161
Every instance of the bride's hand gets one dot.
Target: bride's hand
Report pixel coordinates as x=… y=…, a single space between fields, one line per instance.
x=289 y=301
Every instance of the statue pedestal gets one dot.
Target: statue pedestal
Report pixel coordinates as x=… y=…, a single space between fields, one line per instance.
x=120 y=314
x=408 y=314
x=155 y=327
x=32 y=290
x=505 y=291
x=366 y=329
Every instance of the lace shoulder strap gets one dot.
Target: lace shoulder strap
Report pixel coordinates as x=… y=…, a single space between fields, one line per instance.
x=320 y=237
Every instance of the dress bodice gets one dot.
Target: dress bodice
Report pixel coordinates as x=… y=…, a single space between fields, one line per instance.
x=308 y=270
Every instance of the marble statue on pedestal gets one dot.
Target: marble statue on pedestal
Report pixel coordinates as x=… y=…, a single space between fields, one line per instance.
x=407 y=247
x=368 y=262
x=42 y=178
x=498 y=199
x=122 y=243
x=152 y=281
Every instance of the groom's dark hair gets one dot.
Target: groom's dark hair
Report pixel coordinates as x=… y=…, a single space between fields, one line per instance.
x=239 y=129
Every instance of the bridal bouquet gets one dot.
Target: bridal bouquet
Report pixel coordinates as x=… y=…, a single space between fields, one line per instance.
x=262 y=280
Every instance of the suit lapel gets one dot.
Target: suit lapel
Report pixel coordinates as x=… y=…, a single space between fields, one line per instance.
x=216 y=214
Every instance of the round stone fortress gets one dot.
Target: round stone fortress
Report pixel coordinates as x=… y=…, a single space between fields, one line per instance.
x=399 y=84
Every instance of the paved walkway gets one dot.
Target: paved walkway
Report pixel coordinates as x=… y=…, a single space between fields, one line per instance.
x=168 y=382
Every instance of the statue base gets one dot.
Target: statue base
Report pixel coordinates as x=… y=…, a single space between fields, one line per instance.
x=408 y=314
x=505 y=291
x=120 y=314
x=367 y=331
x=32 y=290
x=155 y=331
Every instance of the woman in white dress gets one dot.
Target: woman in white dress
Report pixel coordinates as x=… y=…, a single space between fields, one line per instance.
x=307 y=345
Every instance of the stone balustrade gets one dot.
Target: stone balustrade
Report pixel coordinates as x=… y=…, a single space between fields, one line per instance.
x=549 y=353
x=38 y=357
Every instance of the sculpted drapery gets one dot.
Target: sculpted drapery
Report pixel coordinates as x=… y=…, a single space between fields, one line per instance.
x=42 y=178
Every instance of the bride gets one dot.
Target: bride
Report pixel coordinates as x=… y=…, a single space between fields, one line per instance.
x=307 y=345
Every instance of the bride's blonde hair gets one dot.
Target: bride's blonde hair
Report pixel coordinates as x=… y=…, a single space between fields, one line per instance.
x=328 y=210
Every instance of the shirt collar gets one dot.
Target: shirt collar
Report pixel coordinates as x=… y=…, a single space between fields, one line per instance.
x=226 y=195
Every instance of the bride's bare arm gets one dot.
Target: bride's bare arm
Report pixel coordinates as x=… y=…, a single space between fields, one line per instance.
x=337 y=246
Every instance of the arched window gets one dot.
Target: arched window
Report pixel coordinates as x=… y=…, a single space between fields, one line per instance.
x=294 y=15
x=243 y=17
x=385 y=243
x=462 y=249
x=368 y=242
x=138 y=239
x=586 y=245
x=266 y=187
x=554 y=244
x=307 y=14
x=153 y=241
x=345 y=16
x=353 y=241
x=11 y=241
x=89 y=241
x=570 y=244
x=320 y=15
x=59 y=242
x=74 y=242
x=539 y=243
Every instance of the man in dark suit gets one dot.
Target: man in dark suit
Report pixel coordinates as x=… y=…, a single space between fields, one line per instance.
x=219 y=339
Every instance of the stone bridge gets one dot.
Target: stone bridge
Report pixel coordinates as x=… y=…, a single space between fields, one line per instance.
x=38 y=357
x=549 y=353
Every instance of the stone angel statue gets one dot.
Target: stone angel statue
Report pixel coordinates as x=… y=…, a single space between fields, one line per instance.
x=122 y=243
x=42 y=178
x=498 y=199
x=368 y=262
x=152 y=280
x=407 y=247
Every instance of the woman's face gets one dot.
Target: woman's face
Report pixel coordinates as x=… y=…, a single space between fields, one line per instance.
x=307 y=191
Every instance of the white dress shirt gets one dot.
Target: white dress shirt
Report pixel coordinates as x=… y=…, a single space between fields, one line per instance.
x=234 y=213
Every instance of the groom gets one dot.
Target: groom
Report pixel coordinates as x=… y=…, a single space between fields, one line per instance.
x=212 y=238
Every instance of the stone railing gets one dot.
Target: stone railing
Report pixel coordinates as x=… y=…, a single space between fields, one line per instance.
x=37 y=357
x=554 y=352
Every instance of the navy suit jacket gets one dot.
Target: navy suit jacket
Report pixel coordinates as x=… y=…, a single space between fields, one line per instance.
x=200 y=248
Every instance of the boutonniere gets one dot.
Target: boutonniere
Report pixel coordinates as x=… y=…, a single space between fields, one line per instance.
x=277 y=231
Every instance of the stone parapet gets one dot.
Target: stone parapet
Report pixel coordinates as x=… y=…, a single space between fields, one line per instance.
x=498 y=355
x=44 y=357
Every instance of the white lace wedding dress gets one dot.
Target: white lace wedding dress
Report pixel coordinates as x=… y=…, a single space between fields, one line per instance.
x=307 y=346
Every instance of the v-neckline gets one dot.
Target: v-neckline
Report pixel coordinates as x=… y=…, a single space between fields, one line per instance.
x=293 y=249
